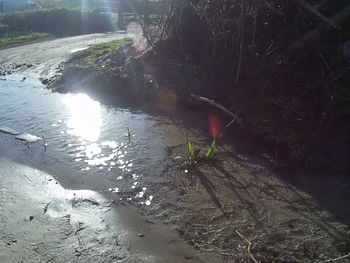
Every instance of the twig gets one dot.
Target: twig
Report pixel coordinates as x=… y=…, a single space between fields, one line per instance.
x=232 y=121
x=111 y=203
x=239 y=60
x=217 y=105
x=81 y=241
x=240 y=35
x=249 y=244
x=254 y=32
x=313 y=10
x=46 y=207
x=27 y=178
x=45 y=144
x=335 y=259
x=271 y=7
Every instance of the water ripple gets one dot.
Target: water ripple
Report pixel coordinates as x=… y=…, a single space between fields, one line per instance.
x=83 y=136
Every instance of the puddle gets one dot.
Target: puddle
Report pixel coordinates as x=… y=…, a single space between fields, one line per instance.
x=85 y=143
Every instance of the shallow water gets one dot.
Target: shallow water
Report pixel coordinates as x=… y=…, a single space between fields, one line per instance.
x=85 y=144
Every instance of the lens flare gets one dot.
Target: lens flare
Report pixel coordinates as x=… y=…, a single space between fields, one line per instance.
x=215 y=125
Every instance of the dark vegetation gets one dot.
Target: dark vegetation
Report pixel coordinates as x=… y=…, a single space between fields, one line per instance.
x=50 y=4
x=282 y=65
x=14 y=40
x=58 y=22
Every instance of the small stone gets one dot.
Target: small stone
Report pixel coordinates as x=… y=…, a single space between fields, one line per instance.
x=31 y=218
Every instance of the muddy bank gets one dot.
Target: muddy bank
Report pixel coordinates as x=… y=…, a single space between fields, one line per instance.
x=288 y=216
x=42 y=221
x=109 y=72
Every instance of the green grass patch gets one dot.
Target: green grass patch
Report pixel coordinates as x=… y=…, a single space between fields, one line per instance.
x=96 y=51
x=88 y=62
x=21 y=39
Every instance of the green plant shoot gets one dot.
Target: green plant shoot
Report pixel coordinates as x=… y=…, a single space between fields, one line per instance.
x=211 y=152
x=190 y=151
x=129 y=132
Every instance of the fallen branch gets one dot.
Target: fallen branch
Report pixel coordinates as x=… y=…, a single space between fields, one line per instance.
x=216 y=105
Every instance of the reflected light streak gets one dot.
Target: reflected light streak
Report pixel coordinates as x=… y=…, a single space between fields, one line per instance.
x=110 y=10
x=85 y=116
x=83 y=16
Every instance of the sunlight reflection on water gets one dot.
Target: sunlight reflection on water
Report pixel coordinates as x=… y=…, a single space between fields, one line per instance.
x=84 y=138
x=85 y=116
x=85 y=122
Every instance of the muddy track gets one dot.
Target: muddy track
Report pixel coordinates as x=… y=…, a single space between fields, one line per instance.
x=45 y=58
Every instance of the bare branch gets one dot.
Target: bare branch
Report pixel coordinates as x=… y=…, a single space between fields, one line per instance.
x=313 y=10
